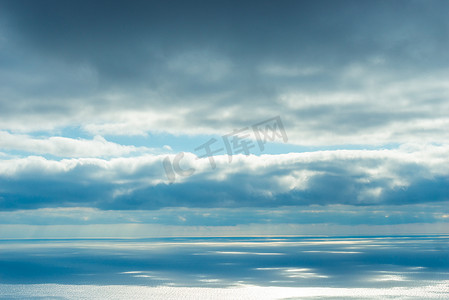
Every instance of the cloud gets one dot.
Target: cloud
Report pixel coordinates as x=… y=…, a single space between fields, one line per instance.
x=313 y=214
x=66 y=147
x=350 y=177
x=132 y=68
x=341 y=75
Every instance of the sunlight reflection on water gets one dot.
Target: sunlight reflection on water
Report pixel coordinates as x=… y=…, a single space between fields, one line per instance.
x=226 y=268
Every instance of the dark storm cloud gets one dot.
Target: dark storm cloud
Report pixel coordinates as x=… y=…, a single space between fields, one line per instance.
x=92 y=63
x=117 y=35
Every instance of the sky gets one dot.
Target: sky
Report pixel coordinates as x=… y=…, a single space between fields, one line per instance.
x=323 y=118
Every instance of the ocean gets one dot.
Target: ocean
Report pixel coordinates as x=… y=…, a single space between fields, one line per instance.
x=376 y=267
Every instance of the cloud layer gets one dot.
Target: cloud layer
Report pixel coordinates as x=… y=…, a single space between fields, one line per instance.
x=95 y=97
x=338 y=73
x=353 y=177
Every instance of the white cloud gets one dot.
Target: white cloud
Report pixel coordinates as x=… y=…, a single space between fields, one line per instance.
x=66 y=147
x=343 y=176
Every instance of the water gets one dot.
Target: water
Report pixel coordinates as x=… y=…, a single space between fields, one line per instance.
x=415 y=267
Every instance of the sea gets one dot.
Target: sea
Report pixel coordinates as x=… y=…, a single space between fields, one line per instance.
x=305 y=267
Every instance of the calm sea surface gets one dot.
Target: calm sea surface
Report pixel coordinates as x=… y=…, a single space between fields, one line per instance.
x=415 y=267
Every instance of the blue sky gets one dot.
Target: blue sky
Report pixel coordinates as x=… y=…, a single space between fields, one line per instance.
x=95 y=96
